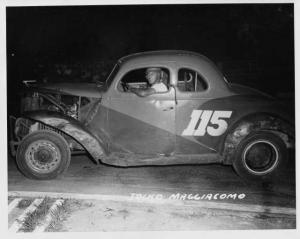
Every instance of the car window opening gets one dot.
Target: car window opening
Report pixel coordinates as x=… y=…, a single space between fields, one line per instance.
x=138 y=79
x=190 y=81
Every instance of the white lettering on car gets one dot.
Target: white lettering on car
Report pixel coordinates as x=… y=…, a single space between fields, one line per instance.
x=198 y=125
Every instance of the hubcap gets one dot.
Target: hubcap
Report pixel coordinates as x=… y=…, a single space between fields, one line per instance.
x=260 y=157
x=42 y=156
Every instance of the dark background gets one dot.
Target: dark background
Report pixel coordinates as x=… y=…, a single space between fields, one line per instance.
x=253 y=44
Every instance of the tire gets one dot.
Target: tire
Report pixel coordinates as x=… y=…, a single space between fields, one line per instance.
x=43 y=155
x=261 y=156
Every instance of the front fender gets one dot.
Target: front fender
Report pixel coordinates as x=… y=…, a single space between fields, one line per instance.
x=70 y=126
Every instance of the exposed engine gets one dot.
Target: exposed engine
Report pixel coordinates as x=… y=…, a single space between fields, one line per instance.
x=82 y=106
x=66 y=104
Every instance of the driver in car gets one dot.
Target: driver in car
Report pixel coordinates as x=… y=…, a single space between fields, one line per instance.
x=154 y=75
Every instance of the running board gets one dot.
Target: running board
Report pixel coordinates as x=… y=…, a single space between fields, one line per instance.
x=126 y=159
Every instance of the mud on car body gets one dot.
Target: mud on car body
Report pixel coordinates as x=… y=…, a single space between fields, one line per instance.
x=200 y=119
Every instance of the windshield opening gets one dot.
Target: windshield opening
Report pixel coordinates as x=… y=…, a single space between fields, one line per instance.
x=112 y=75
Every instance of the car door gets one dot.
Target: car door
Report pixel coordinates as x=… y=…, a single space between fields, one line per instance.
x=199 y=122
x=141 y=125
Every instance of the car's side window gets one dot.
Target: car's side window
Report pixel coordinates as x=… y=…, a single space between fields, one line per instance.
x=137 y=79
x=190 y=81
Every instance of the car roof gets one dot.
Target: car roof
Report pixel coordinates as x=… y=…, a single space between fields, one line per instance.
x=166 y=55
x=182 y=59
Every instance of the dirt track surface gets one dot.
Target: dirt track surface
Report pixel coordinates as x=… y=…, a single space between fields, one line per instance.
x=123 y=216
x=84 y=177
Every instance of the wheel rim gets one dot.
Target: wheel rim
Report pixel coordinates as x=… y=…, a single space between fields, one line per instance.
x=43 y=156
x=260 y=157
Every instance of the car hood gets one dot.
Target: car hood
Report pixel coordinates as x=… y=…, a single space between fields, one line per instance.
x=245 y=90
x=79 y=89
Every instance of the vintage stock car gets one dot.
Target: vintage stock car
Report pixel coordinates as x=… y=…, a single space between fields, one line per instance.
x=199 y=119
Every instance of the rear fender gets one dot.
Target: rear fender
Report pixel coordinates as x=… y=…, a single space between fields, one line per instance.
x=256 y=122
x=73 y=128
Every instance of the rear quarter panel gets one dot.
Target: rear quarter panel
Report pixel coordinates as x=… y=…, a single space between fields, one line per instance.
x=241 y=107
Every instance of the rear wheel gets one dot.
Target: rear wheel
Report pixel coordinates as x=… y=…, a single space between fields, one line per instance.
x=43 y=155
x=260 y=156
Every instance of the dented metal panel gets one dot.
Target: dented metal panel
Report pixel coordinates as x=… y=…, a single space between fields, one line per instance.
x=93 y=144
x=256 y=122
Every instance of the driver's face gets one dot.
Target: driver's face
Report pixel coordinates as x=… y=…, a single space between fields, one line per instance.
x=152 y=76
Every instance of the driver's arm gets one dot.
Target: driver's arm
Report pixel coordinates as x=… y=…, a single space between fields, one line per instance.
x=144 y=92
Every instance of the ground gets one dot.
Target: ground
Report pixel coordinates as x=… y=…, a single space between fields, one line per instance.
x=115 y=216
x=260 y=206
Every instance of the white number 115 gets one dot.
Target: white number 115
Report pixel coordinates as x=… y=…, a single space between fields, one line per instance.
x=207 y=116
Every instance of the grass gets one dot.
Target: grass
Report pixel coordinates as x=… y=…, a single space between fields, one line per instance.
x=24 y=203
x=36 y=218
x=59 y=217
x=10 y=198
x=69 y=206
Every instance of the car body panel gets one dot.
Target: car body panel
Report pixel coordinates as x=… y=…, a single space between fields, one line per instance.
x=91 y=142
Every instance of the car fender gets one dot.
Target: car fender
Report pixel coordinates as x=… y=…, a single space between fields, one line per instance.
x=94 y=145
x=258 y=121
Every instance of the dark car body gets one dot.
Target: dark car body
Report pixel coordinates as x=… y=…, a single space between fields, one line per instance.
x=180 y=126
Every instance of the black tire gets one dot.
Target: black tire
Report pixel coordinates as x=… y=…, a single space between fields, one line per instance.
x=261 y=156
x=43 y=155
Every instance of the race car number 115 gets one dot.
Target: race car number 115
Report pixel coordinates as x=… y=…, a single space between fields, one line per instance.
x=200 y=120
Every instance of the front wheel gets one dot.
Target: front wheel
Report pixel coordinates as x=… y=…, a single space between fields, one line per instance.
x=43 y=155
x=260 y=156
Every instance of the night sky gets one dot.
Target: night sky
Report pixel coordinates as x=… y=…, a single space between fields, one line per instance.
x=256 y=40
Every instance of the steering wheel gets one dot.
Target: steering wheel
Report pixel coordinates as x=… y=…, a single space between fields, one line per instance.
x=124 y=86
